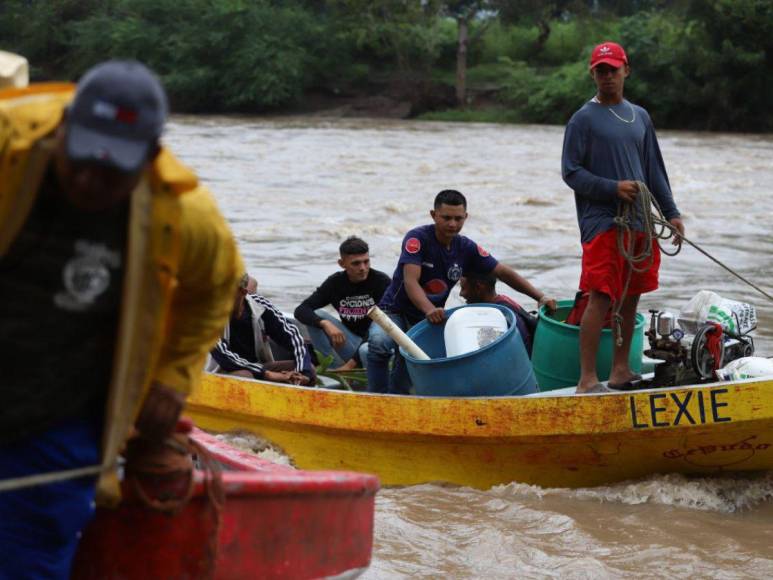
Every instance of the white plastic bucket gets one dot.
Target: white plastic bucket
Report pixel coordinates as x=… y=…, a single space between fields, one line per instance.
x=471 y=328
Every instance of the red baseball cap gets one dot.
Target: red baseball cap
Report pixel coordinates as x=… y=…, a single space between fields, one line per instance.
x=609 y=53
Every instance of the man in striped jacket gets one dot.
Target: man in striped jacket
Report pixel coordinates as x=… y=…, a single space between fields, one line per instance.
x=244 y=349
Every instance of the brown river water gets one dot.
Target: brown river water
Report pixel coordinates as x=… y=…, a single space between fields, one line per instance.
x=293 y=188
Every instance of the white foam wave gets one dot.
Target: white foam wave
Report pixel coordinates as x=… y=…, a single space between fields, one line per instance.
x=396 y=207
x=255 y=445
x=726 y=494
x=538 y=202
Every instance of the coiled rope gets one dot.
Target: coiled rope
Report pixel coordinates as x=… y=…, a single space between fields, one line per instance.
x=658 y=228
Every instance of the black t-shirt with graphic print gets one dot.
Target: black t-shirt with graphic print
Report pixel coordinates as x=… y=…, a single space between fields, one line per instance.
x=60 y=293
x=351 y=300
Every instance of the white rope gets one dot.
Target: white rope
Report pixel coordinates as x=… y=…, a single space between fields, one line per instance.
x=53 y=477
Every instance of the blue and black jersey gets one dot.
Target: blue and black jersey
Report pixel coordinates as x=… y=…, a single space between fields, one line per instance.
x=441 y=269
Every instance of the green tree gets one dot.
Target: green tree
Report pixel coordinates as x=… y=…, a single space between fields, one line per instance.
x=538 y=13
x=710 y=67
x=37 y=29
x=464 y=12
x=396 y=30
x=735 y=64
x=227 y=55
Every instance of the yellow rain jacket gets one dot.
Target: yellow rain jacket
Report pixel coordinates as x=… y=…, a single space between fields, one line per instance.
x=181 y=267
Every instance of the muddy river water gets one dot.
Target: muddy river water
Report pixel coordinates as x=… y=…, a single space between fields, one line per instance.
x=293 y=188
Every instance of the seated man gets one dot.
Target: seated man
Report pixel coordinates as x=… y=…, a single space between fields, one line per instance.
x=352 y=293
x=477 y=288
x=244 y=349
x=432 y=261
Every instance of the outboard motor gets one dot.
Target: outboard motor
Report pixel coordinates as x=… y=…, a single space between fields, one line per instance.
x=706 y=358
x=692 y=358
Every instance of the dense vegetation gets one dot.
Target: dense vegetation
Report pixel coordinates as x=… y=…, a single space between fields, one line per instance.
x=705 y=64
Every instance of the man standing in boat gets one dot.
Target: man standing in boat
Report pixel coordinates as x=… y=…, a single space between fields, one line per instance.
x=432 y=260
x=117 y=274
x=609 y=148
x=352 y=293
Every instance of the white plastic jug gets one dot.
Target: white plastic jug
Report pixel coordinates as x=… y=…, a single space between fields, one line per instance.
x=471 y=328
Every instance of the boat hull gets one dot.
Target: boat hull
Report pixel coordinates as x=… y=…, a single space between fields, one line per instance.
x=551 y=441
x=277 y=522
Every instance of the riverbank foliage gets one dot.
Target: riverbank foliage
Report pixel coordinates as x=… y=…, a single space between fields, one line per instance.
x=701 y=64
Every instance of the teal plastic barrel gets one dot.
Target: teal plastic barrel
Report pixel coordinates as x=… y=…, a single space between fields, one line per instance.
x=500 y=368
x=556 y=350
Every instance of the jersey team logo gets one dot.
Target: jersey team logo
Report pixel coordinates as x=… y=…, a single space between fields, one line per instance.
x=454 y=273
x=482 y=251
x=412 y=245
x=435 y=287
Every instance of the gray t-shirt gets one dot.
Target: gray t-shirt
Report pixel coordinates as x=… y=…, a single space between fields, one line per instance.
x=606 y=144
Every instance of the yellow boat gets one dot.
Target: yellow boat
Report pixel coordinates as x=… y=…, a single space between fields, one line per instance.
x=555 y=439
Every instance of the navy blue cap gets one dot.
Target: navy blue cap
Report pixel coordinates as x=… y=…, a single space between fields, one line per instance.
x=118 y=113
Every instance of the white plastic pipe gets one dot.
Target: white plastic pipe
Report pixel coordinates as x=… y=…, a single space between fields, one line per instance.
x=377 y=315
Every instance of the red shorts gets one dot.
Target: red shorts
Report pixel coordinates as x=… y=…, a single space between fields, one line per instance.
x=605 y=270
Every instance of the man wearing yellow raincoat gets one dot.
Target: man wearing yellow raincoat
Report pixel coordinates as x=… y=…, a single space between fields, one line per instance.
x=117 y=274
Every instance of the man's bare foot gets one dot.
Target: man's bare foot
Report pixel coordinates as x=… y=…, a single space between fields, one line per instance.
x=587 y=383
x=592 y=389
x=349 y=365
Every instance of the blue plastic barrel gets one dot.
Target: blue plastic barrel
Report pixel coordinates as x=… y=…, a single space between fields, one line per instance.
x=500 y=368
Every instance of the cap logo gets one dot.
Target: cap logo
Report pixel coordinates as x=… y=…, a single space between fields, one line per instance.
x=605 y=49
x=110 y=112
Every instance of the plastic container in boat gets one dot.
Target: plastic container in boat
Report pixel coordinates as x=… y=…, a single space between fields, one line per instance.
x=748 y=367
x=556 y=351
x=499 y=368
x=471 y=328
